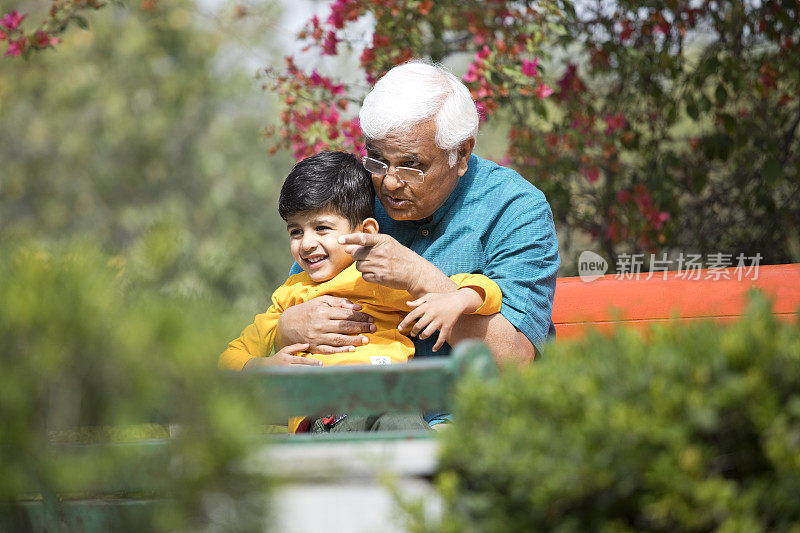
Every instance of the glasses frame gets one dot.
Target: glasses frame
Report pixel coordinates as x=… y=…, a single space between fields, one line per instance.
x=396 y=170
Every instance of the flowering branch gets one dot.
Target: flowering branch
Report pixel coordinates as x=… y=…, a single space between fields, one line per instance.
x=61 y=14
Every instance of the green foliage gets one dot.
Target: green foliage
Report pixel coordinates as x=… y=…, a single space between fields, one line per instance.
x=139 y=131
x=86 y=360
x=697 y=429
x=708 y=154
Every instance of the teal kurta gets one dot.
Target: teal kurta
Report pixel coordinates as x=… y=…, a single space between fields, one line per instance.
x=497 y=224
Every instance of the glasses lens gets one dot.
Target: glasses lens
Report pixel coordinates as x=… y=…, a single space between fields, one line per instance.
x=409 y=174
x=374 y=166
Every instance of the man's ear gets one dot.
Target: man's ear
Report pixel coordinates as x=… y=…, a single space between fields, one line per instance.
x=369 y=225
x=464 y=151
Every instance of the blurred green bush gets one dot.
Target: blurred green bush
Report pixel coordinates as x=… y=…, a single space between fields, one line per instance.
x=142 y=135
x=86 y=359
x=697 y=429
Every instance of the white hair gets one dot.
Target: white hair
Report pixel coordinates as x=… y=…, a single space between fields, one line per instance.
x=414 y=92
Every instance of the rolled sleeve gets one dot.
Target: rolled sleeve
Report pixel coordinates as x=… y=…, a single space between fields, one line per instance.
x=488 y=289
x=524 y=264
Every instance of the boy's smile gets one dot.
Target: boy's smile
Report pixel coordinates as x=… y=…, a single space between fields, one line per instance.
x=313 y=241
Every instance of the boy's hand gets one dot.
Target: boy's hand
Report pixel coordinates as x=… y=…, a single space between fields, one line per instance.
x=439 y=311
x=284 y=357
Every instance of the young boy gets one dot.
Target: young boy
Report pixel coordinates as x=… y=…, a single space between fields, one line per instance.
x=323 y=198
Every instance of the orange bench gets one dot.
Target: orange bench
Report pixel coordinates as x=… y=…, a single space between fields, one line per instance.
x=612 y=300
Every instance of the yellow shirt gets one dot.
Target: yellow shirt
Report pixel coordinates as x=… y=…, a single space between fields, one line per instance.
x=386 y=306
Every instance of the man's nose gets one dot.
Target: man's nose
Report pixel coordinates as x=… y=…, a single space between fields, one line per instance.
x=391 y=181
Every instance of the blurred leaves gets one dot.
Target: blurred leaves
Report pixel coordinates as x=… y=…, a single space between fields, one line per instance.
x=697 y=429
x=88 y=361
x=134 y=128
x=138 y=230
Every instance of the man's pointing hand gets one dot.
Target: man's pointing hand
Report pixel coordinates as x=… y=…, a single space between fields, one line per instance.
x=383 y=260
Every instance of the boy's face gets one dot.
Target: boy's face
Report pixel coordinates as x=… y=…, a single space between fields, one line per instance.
x=313 y=240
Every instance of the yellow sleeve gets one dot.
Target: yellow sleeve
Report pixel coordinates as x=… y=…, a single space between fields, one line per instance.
x=257 y=339
x=488 y=289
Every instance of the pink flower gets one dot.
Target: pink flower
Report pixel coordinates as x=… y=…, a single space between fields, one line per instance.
x=483 y=53
x=592 y=173
x=472 y=74
x=12 y=20
x=642 y=199
x=315 y=78
x=43 y=40
x=336 y=18
x=529 y=67
x=481 y=111
x=614 y=122
x=543 y=91
x=623 y=196
x=570 y=82
x=15 y=48
x=329 y=46
x=332 y=118
x=3 y=36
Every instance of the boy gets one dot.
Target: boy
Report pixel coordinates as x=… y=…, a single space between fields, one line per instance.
x=323 y=198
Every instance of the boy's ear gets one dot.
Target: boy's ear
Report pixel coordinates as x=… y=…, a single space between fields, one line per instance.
x=369 y=225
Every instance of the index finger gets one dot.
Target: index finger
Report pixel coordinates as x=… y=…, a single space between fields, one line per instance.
x=349 y=314
x=335 y=301
x=297 y=360
x=361 y=239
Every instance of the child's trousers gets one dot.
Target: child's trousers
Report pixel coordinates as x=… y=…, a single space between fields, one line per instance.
x=380 y=422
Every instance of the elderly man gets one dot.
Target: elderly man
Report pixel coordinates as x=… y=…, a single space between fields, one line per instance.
x=442 y=210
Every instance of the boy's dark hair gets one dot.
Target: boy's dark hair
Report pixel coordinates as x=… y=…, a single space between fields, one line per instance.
x=336 y=180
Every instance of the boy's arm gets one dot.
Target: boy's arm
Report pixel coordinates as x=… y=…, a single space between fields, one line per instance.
x=489 y=292
x=253 y=342
x=257 y=339
x=476 y=294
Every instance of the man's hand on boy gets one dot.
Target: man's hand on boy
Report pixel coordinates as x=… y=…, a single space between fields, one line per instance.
x=439 y=311
x=327 y=323
x=283 y=357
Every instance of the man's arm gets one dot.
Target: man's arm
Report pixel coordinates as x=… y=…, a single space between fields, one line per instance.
x=506 y=342
x=382 y=259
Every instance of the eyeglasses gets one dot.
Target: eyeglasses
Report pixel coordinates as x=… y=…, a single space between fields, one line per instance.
x=404 y=174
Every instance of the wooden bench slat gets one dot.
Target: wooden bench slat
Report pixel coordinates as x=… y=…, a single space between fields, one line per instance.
x=608 y=301
x=420 y=386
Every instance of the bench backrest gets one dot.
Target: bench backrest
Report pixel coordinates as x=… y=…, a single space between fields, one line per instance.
x=640 y=302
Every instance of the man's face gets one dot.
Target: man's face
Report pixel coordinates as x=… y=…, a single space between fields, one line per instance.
x=313 y=241
x=415 y=148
